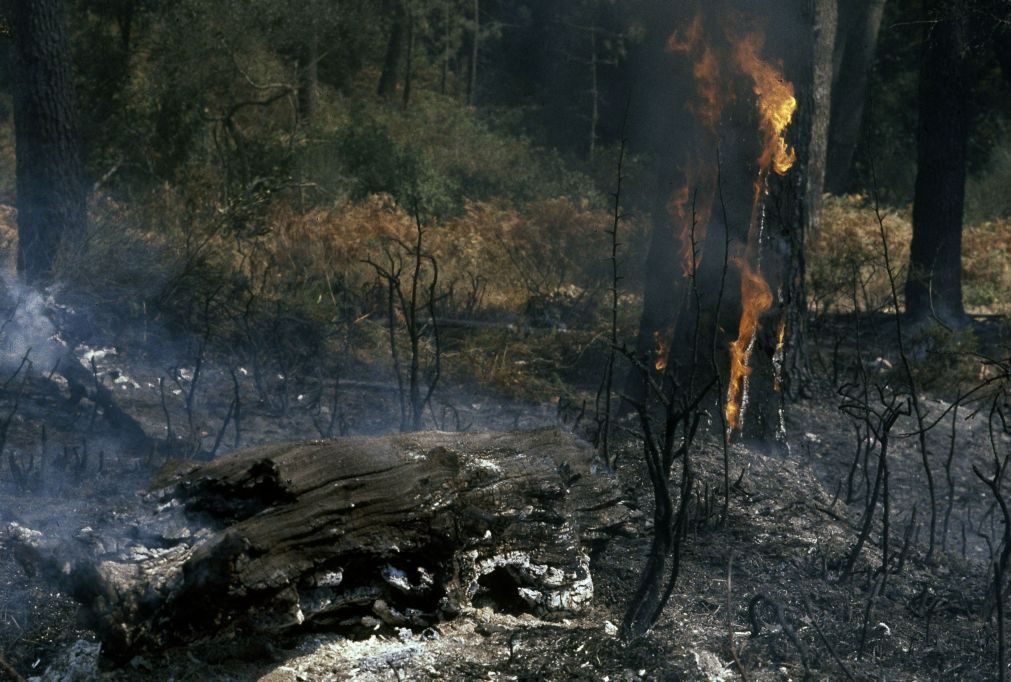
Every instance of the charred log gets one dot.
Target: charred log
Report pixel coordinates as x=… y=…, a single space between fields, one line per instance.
x=356 y=534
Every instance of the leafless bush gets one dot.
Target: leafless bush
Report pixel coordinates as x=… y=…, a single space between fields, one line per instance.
x=998 y=430
x=411 y=278
x=672 y=495
x=877 y=409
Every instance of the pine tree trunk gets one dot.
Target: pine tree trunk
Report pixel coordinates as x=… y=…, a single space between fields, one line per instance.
x=934 y=284
x=820 y=104
x=52 y=196
x=859 y=22
x=390 y=75
x=409 y=66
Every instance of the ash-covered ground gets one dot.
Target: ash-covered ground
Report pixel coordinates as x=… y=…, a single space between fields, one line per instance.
x=761 y=596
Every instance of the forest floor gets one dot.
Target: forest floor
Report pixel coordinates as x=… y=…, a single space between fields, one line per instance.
x=787 y=536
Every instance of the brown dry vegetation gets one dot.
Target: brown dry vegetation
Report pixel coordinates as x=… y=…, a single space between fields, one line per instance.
x=847 y=266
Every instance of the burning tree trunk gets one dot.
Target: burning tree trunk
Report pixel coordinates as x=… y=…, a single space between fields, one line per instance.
x=730 y=243
x=353 y=533
x=731 y=236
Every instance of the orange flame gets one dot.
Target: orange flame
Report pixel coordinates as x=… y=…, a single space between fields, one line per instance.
x=705 y=69
x=691 y=205
x=777 y=358
x=776 y=104
x=690 y=208
x=660 y=352
x=756 y=299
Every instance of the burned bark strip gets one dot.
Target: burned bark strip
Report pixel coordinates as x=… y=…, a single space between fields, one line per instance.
x=354 y=533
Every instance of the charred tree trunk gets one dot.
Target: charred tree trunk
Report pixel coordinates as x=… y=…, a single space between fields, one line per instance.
x=354 y=534
x=390 y=75
x=859 y=22
x=934 y=283
x=52 y=197
x=742 y=222
x=810 y=68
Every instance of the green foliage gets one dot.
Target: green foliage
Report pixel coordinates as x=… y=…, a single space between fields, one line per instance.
x=369 y=161
x=887 y=144
x=437 y=153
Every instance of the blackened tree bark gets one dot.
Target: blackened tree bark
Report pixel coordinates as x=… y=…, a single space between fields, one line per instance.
x=51 y=193
x=390 y=75
x=859 y=22
x=947 y=73
x=696 y=313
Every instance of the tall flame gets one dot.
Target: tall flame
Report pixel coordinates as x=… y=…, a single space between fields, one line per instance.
x=691 y=205
x=776 y=105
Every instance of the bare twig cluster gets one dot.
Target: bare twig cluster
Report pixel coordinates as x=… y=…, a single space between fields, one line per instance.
x=411 y=278
x=681 y=415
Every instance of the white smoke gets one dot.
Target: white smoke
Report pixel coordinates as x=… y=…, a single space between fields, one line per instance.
x=27 y=328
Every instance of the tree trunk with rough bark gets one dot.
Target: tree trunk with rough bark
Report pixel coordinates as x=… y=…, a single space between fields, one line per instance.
x=859 y=22
x=820 y=103
x=390 y=75
x=51 y=192
x=353 y=534
x=947 y=74
x=748 y=224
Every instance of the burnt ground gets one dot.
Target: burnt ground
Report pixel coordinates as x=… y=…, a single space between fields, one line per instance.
x=787 y=537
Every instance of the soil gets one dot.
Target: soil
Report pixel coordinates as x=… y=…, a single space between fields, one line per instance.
x=781 y=550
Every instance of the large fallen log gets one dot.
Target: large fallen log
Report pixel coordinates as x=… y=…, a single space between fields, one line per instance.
x=355 y=533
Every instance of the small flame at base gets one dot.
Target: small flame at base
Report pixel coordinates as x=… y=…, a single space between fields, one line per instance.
x=660 y=352
x=778 y=356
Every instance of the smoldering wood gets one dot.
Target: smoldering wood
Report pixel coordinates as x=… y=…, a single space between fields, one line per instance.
x=352 y=534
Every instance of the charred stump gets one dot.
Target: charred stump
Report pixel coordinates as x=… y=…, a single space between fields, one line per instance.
x=353 y=534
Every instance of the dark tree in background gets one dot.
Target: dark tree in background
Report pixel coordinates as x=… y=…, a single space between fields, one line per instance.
x=51 y=194
x=856 y=41
x=821 y=100
x=934 y=285
x=390 y=75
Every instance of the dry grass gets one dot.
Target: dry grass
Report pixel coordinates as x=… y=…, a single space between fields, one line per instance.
x=550 y=248
x=847 y=267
